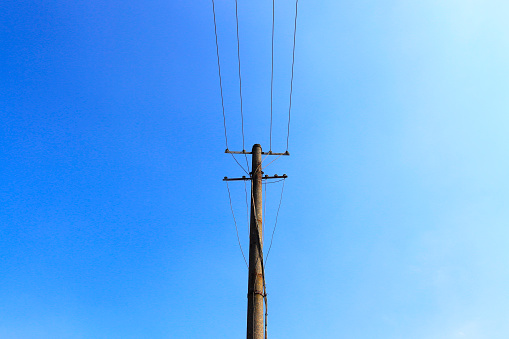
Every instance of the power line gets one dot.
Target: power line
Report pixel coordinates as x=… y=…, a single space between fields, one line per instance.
x=240 y=77
x=264 y=208
x=275 y=224
x=219 y=69
x=272 y=182
x=238 y=163
x=221 y=87
x=271 y=77
x=247 y=207
x=259 y=229
x=240 y=80
x=271 y=161
x=291 y=82
x=236 y=228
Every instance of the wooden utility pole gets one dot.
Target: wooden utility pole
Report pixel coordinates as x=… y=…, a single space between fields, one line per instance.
x=256 y=290
x=256 y=294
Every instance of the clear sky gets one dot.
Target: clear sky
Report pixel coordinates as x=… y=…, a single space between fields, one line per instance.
x=114 y=221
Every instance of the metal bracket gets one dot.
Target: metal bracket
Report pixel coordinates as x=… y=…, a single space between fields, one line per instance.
x=265 y=153
x=284 y=176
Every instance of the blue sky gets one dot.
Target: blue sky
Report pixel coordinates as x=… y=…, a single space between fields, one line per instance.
x=114 y=221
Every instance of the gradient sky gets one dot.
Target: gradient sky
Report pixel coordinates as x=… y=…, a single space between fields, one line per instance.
x=114 y=221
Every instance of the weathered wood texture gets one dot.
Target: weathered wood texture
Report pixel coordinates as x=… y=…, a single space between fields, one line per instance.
x=255 y=293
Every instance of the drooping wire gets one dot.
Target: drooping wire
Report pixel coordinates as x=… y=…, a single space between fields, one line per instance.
x=263 y=230
x=264 y=206
x=275 y=224
x=247 y=208
x=291 y=82
x=272 y=77
x=274 y=182
x=236 y=228
x=219 y=69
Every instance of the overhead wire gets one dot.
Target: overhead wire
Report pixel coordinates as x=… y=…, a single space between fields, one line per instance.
x=291 y=82
x=238 y=163
x=264 y=202
x=247 y=207
x=272 y=76
x=247 y=163
x=240 y=77
x=272 y=161
x=240 y=80
x=273 y=182
x=221 y=86
x=275 y=224
x=219 y=69
x=260 y=168
x=235 y=222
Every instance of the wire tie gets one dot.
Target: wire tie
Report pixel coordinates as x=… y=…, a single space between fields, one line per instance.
x=258 y=292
